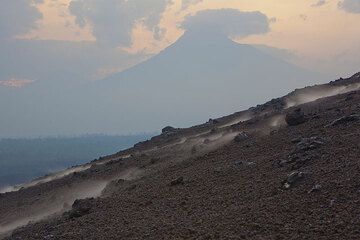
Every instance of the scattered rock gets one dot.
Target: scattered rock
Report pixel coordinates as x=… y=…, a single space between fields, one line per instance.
x=292 y=179
x=79 y=174
x=295 y=117
x=213 y=121
x=169 y=130
x=350 y=96
x=303 y=152
x=315 y=188
x=109 y=163
x=243 y=163
x=305 y=144
x=241 y=137
x=345 y=119
x=178 y=181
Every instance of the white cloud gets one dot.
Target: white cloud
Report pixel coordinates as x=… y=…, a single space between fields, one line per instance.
x=15 y=83
x=351 y=6
x=230 y=22
x=18 y=17
x=187 y=3
x=112 y=21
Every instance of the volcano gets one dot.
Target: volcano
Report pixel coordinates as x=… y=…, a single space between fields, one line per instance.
x=203 y=76
x=197 y=77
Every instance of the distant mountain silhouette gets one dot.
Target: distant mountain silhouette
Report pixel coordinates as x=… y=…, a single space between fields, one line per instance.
x=202 y=75
x=198 y=77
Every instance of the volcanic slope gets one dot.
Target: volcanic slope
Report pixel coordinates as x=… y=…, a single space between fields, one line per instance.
x=287 y=169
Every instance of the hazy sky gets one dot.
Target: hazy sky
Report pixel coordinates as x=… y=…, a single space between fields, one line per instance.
x=323 y=34
x=51 y=43
x=307 y=26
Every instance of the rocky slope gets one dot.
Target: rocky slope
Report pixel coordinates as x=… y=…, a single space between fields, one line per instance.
x=287 y=169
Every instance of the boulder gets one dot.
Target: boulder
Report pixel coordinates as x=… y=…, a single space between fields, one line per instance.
x=295 y=117
x=168 y=129
x=213 y=121
x=81 y=207
x=241 y=137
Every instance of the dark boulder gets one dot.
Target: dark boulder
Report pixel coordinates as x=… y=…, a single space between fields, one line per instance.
x=169 y=131
x=213 y=121
x=81 y=207
x=295 y=117
x=241 y=137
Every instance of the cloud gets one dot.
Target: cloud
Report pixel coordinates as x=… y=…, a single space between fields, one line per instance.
x=57 y=62
x=229 y=22
x=303 y=17
x=18 y=17
x=15 y=83
x=319 y=3
x=112 y=21
x=351 y=6
x=187 y=3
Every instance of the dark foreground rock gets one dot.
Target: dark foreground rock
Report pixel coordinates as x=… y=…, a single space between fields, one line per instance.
x=295 y=117
x=241 y=137
x=80 y=207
